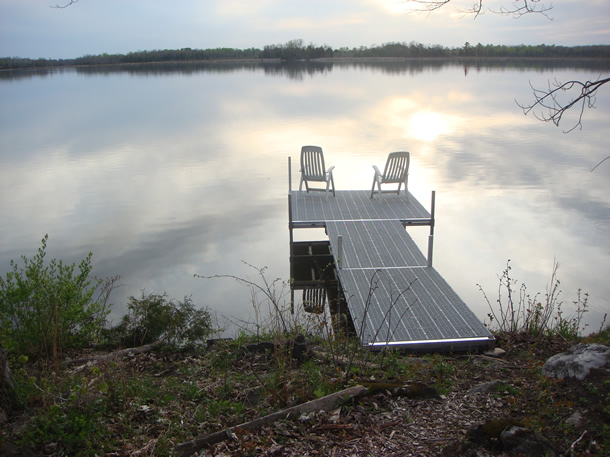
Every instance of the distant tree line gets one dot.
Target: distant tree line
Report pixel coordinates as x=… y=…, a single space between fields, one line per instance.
x=296 y=50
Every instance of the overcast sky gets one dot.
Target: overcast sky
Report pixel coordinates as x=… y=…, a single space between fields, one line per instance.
x=31 y=28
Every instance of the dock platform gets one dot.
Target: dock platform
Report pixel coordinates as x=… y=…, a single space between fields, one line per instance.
x=394 y=296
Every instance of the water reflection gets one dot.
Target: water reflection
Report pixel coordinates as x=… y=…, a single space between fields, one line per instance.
x=300 y=70
x=167 y=171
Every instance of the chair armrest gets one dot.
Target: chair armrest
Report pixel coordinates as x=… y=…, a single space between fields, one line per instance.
x=377 y=172
x=330 y=169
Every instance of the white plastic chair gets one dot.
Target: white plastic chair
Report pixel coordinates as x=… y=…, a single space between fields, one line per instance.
x=312 y=169
x=396 y=172
x=314 y=300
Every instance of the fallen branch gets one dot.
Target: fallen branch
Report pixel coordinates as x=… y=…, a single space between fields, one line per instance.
x=115 y=355
x=321 y=404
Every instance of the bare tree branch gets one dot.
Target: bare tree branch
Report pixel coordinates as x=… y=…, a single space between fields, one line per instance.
x=517 y=9
x=555 y=101
x=593 y=169
x=72 y=2
x=529 y=6
x=428 y=6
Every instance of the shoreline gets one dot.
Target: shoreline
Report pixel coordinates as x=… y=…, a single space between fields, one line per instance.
x=563 y=61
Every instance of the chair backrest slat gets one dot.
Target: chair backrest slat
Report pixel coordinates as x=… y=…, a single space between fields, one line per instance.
x=396 y=167
x=312 y=162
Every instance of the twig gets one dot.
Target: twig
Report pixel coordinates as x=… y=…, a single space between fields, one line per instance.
x=599 y=164
x=72 y=2
x=50 y=394
x=548 y=100
x=573 y=445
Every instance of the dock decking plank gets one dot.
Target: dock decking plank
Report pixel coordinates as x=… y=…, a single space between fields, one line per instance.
x=407 y=305
x=315 y=209
x=393 y=297
x=388 y=244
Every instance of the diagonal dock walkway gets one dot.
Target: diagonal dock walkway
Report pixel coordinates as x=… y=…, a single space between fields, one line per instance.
x=394 y=296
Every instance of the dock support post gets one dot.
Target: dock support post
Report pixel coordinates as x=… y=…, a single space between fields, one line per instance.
x=289 y=174
x=290 y=228
x=432 y=205
x=340 y=251
x=431 y=236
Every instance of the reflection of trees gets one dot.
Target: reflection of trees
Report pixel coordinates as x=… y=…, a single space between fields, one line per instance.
x=160 y=69
x=294 y=51
x=32 y=73
x=299 y=70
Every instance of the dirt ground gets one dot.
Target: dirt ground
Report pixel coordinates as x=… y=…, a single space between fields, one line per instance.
x=148 y=403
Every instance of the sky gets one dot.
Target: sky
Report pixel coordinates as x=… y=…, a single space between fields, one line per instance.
x=34 y=29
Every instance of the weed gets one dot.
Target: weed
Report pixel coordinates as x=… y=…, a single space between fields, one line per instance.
x=441 y=370
x=521 y=312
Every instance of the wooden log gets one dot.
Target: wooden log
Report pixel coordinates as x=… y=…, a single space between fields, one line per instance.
x=321 y=404
x=115 y=354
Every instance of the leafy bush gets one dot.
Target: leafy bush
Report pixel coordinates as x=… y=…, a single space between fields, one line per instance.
x=153 y=317
x=67 y=430
x=45 y=309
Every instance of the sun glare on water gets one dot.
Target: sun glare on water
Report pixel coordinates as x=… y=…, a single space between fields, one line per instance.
x=428 y=125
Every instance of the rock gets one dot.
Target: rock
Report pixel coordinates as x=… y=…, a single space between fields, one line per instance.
x=10 y=450
x=487 y=387
x=576 y=420
x=495 y=353
x=417 y=390
x=298 y=347
x=518 y=441
x=490 y=432
x=510 y=436
x=252 y=398
x=577 y=362
x=216 y=341
x=477 y=453
x=263 y=346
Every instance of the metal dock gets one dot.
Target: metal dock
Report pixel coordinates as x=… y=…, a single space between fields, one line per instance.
x=394 y=296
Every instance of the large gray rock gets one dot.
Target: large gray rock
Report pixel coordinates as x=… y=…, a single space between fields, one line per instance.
x=577 y=362
x=520 y=441
x=487 y=387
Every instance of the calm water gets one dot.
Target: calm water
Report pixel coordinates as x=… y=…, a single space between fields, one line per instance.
x=164 y=173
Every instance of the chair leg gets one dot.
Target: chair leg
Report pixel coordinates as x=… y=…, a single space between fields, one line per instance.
x=301 y=184
x=373 y=188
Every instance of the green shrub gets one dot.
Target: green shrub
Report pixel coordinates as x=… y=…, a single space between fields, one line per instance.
x=47 y=308
x=153 y=317
x=67 y=431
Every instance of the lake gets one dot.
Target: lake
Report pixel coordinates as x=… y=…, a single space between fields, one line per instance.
x=164 y=172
